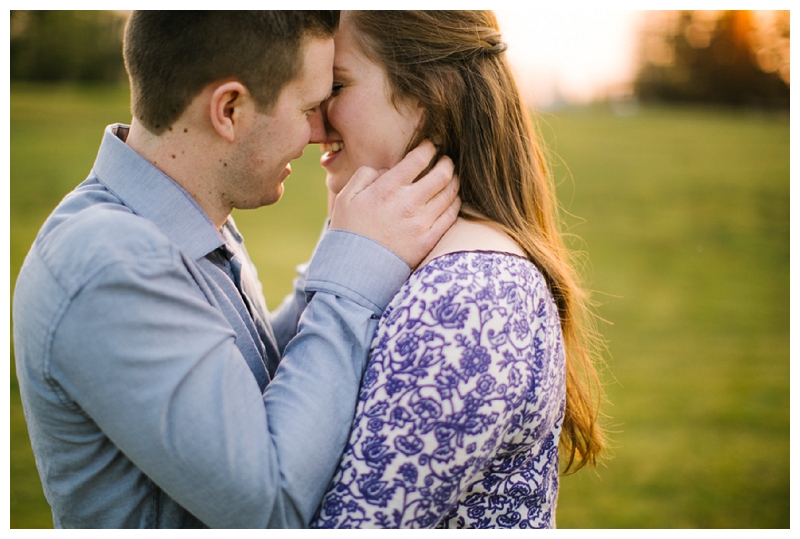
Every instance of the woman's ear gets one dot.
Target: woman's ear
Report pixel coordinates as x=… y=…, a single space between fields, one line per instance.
x=226 y=106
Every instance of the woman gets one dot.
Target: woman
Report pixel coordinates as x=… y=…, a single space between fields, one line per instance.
x=478 y=372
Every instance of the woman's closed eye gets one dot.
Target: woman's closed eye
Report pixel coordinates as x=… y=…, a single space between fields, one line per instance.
x=336 y=87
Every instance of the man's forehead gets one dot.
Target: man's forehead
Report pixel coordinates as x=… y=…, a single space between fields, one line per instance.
x=317 y=73
x=318 y=52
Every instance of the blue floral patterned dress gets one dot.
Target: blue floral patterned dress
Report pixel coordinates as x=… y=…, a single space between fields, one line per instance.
x=461 y=405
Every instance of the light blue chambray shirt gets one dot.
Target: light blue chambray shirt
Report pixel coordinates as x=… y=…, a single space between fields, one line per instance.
x=152 y=390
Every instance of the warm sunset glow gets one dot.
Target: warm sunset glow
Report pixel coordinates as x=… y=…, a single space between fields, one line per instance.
x=576 y=56
x=572 y=56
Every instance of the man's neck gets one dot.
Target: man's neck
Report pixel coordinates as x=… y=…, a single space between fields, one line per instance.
x=181 y=155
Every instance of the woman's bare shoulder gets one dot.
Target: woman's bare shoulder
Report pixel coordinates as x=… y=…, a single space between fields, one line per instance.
x=467 y=235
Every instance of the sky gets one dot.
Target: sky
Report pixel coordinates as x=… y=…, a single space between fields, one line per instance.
x=570 y=55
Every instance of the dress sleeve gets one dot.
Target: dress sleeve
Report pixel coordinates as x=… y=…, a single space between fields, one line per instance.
x=438 y=400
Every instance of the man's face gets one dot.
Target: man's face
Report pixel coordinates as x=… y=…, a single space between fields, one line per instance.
x=262 y=159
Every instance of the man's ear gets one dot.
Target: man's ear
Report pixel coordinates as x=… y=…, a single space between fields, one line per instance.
x=226 y=106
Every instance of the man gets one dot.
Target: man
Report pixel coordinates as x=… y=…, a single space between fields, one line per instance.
x=150 y=371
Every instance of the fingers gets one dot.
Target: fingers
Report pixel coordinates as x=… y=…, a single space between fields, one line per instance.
x=444 y=199
x=363 y=178
x=437 y=179
x=446 y=219
x=412 y=165
x=406 y=216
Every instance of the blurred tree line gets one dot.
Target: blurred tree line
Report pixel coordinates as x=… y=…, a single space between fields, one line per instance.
x=738 y=58
x=76 y=46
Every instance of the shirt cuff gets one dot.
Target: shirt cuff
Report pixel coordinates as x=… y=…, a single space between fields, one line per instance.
x=355 y=267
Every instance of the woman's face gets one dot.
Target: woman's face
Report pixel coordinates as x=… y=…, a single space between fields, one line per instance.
x=364 y=128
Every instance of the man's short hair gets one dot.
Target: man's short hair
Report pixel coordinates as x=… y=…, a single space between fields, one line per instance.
x=172 y=55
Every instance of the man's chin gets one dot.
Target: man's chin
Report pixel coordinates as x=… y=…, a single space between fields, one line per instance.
x=266 y=200
x=274 y=198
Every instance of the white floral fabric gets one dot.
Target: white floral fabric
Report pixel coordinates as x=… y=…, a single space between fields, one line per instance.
x=461 y=405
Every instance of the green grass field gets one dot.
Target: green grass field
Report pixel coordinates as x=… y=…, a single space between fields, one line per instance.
x=684 y=215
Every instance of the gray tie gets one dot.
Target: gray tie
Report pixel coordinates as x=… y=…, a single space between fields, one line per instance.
x=263 y=335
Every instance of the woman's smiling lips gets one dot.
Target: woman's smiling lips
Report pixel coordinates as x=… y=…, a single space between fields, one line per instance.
x=330 y=150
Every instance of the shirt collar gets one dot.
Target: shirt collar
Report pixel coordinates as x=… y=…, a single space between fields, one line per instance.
x=152 y=194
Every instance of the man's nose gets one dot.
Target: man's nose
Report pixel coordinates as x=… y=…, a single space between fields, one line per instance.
x=317 y=121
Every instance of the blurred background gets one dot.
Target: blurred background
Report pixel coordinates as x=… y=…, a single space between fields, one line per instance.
x=668 y=136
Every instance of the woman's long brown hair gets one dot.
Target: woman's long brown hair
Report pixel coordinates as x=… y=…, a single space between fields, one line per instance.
x=453 y=64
